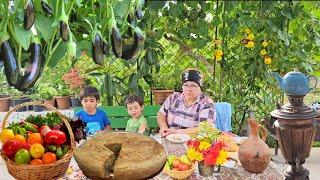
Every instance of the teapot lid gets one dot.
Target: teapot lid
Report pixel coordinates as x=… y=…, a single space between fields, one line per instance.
x=295 y=72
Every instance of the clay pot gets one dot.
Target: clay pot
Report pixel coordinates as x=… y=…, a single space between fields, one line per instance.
x=4 y=104
x=63 y=102
x=161 y=95
x=254 y=154
x=52 y=102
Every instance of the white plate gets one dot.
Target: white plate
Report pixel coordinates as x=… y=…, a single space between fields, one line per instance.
x=178 y=138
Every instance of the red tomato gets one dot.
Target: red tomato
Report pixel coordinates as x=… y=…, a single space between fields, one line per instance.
x=11 y=147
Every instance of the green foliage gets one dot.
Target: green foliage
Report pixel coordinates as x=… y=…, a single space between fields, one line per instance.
x=316 y=144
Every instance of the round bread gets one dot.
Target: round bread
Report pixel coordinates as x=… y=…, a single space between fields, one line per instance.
x=120 y=155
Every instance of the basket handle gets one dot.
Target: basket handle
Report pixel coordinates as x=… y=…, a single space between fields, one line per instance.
x=48 y=106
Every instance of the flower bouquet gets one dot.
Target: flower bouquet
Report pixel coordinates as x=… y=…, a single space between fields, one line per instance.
x=205 y=149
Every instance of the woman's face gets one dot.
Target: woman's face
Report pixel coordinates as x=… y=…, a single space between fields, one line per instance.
x=191 y=89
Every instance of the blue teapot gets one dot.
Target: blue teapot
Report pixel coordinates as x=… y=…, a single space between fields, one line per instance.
x=295 y=83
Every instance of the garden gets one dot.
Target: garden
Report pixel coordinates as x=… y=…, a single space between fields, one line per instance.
x=51 y=49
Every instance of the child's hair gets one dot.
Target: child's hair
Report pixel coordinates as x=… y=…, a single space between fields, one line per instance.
x=90 y=91
x=134 y=98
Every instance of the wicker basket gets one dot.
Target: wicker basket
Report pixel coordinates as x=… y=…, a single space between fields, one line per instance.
x=46 y=171
x=179 y=174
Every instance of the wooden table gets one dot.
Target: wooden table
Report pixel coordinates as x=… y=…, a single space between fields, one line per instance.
x=179 y=149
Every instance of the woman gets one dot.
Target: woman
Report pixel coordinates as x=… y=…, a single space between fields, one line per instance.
x=182 y=112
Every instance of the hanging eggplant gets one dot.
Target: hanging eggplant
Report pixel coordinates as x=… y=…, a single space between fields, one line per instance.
x=29 y=15
x=64 y=31
x=139 y=13
x=133 y=51
x=46 y=7
x=138 y=8
x=11 y=66
x=131 y=19
x=116 y=42
x=97 y=49
x=34 y=71
x=64 y=26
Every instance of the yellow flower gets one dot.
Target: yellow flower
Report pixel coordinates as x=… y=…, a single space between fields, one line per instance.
x=263 y=52
x=247 y=30
x=250 y=44
x=217 y=42
x=222 y=157
x=265 y=43
x=250 y=37
x=218 y=58
x=267 y=60
x=218 y=52
x=194 y=155
x=204 y=145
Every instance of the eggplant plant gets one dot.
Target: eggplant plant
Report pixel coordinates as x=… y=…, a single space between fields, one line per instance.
x=63 y=29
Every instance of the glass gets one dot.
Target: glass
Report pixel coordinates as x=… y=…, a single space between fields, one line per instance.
x=189 y=86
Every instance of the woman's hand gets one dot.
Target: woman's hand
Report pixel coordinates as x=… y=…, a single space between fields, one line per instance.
x=166 y=131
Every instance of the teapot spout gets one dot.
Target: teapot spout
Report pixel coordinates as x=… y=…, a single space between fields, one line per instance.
x=279 y=79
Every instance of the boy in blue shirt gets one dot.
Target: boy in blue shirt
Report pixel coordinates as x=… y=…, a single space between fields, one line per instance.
x=96 y=119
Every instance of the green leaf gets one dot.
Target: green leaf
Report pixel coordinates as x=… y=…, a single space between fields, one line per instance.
x=120 y=8
x=216 y=21
x=57 y=55
x=108 y=85
x=193 y=4
x=23 y=36
x=284 y=36
x=42 y=23
x=287 y=12
x=133 y=81
x=184 y=31
x=317 y=40
x=155 y=5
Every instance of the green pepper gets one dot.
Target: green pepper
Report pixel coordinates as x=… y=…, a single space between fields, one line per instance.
x=65 y=149
x=59 y=152
x=52 y=148
x=30 y=127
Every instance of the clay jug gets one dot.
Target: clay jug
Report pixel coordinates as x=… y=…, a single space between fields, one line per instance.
x=254 y=154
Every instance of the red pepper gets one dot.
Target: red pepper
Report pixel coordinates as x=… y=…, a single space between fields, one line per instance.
x=44 y=129
x=55 y=137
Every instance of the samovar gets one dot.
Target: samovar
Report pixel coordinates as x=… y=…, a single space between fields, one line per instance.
x=295 y=125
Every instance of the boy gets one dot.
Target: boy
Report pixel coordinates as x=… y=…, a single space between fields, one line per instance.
x=138 y=122
x=95 y=118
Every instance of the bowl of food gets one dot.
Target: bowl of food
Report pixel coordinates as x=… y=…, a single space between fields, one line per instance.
x=178 y=167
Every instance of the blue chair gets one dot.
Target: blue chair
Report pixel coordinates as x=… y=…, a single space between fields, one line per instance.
x=223 y=116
